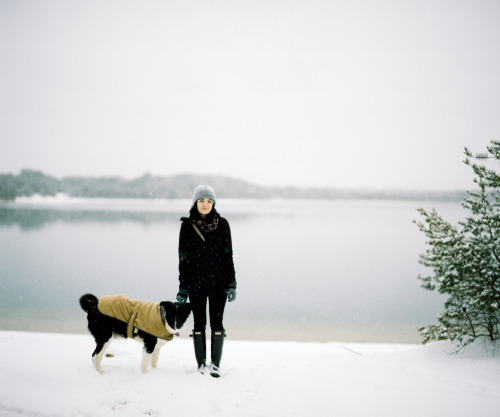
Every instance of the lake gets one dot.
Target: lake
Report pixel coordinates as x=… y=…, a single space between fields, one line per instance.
x=307 y=270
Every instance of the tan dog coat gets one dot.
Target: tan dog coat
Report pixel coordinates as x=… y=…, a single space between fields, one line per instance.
x=146 y=316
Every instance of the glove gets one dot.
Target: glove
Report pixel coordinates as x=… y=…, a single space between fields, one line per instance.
x=231 y=292
x=182 y=296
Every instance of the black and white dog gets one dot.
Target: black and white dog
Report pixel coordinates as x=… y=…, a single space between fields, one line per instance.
x=104 y=324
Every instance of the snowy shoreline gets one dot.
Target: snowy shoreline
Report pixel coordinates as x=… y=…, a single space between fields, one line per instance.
x=62 y=200
x=46 y=374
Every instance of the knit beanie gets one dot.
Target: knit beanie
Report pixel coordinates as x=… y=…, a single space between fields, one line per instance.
x=203 y=191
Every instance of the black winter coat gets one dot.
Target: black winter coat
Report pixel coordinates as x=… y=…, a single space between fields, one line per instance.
x=201 y=271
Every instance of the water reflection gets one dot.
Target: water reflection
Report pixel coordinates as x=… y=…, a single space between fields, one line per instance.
x=30 y=219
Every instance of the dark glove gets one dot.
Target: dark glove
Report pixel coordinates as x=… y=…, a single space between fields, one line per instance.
x=182 y=296
x=231 y=292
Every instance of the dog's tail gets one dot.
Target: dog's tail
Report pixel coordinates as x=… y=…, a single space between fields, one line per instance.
x=89 y=302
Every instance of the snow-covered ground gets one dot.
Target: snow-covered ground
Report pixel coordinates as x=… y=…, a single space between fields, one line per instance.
x=45 y=375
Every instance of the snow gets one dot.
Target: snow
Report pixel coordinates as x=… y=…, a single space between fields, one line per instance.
x=63 y=201
x=44 y=374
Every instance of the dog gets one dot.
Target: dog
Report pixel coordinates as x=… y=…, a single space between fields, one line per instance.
x=120 y=316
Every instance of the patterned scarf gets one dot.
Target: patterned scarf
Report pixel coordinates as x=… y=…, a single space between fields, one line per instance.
x=208 y=227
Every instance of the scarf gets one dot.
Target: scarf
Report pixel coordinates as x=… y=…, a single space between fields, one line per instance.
x=208 y=227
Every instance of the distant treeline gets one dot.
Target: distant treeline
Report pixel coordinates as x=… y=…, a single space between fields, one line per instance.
x=29 y=183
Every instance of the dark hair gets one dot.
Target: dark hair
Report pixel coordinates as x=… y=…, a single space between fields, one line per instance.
x=195 y=214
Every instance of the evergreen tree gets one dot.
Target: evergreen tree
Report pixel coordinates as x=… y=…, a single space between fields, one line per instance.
x=465 y=259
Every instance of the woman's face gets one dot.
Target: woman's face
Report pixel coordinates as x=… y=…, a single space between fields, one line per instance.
x=204 y=206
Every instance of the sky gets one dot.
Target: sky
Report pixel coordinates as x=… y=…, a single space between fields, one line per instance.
x=343 y=94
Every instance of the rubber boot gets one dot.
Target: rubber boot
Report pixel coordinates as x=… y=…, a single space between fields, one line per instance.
x=216 y=352
x=200 y=349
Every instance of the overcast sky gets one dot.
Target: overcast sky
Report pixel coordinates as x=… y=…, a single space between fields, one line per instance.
x=380 y=94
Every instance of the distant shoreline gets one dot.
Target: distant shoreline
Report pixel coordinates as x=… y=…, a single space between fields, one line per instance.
x=37 y=184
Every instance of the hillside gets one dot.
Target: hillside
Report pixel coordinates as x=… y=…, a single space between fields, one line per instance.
x=30 y=182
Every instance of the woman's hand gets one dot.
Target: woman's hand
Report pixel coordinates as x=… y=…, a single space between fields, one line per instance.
x=231 y=294
x=182 y=296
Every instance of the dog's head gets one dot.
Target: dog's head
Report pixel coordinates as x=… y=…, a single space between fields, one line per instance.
x=176 y=314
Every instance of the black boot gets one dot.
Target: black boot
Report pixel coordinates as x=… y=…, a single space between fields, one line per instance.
x=200 y=349
x=216 y=351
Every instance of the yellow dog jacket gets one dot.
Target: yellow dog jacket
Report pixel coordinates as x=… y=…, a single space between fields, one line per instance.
x=145 y=316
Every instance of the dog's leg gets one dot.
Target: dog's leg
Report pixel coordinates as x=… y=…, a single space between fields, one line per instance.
x=98 y=354
x=146 y=361
x=156 y=353
x=150 y=343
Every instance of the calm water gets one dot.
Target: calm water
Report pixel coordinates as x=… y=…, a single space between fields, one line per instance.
x=306 y=270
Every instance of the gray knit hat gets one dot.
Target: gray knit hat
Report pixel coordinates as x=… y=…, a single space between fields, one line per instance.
x=203 y=191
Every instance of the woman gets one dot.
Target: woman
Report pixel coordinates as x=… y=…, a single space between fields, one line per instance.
x=206 y=272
